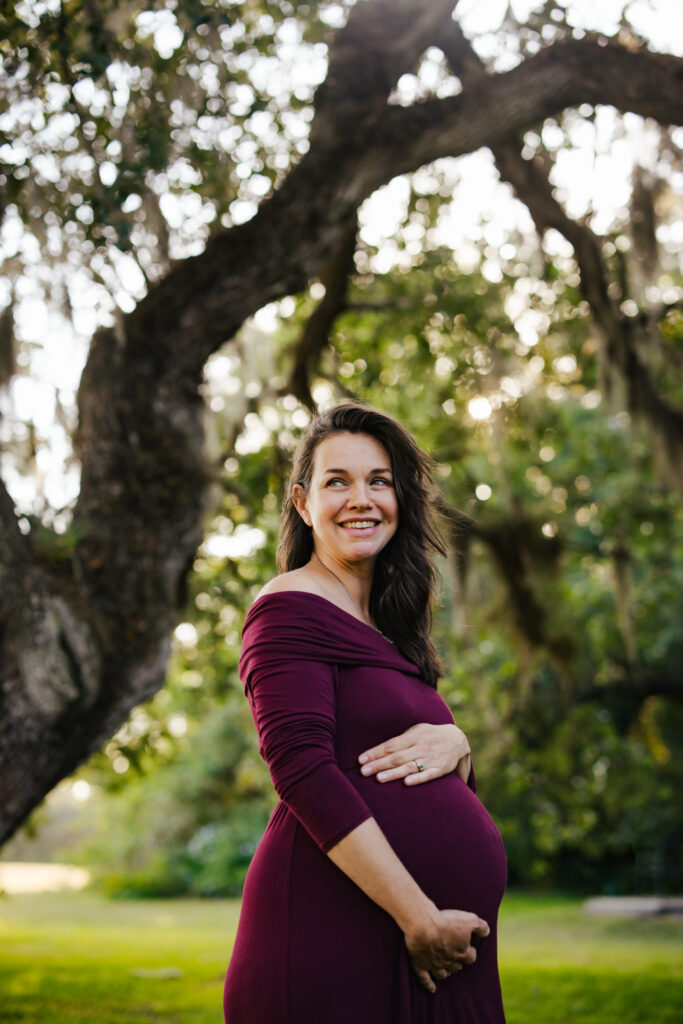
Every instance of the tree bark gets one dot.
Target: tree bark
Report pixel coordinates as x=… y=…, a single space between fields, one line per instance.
x=85 y=638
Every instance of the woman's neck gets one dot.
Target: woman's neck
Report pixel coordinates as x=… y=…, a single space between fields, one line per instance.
x=355 y=577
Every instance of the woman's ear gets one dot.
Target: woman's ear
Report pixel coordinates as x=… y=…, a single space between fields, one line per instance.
x=299 y=499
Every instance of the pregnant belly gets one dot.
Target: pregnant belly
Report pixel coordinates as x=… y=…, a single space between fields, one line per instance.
x=445 y=837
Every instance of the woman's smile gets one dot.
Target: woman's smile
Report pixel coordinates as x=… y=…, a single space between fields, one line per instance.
x=359 y=524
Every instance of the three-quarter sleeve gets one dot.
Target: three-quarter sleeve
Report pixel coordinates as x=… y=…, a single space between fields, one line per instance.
x=293 y=704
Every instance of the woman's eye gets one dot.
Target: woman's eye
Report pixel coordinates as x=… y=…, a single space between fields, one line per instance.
x=337 y=481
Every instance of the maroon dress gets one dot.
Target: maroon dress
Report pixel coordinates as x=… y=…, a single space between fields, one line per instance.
x=311 y=947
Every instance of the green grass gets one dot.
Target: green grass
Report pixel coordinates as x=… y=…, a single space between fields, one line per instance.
x=67 y=959
x=560 y=966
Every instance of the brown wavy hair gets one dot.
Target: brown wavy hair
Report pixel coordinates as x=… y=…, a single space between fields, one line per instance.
x=404 y=581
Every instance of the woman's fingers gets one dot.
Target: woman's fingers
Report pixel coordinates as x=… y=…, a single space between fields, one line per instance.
x=391 y=752
x=395 y=764
x=464 y=767
x=425 y=979
x=416 y=778
x=408 y=768
x=398 y=755
x=445 y=947
x=398 y=763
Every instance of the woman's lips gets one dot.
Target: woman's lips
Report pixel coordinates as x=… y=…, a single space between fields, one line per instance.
x=359 y=525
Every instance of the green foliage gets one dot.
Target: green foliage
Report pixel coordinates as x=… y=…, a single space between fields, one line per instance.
x=190 y=825
x=150 y=89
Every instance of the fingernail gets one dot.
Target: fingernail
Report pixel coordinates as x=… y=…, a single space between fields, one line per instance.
x=363 y=758
x=365 y=770
x=381 y=777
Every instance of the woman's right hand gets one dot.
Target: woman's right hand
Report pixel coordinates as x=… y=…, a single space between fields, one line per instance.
x=443 y=944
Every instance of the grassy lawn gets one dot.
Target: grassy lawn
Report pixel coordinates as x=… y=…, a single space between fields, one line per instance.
x=560 y=966
x=69 y=958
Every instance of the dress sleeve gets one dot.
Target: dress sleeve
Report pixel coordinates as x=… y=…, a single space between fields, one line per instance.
x=293 y=703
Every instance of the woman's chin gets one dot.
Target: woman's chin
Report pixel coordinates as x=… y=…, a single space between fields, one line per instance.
x=362 y=548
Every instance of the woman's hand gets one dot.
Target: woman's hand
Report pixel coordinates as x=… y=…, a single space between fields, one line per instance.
x=440 y=749
x=443 y=944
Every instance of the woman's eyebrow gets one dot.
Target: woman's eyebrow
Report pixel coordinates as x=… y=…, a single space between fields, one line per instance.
x=382 y=469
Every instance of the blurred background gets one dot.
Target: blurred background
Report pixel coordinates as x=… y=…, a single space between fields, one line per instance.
x=518 y=307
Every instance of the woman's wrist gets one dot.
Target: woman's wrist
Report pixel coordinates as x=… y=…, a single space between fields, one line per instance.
x=418 y=919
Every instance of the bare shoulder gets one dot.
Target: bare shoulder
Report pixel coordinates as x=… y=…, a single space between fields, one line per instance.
x=305 y=580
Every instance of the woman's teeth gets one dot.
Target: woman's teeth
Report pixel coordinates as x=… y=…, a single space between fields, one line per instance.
x=359 y=524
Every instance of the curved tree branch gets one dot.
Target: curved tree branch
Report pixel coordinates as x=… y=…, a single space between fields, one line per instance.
x=515 y=544
x=665 y=423
x=380 y=41
x=315 y=335
x=203 y=301
x=563 y=75
x=621 y=360
x=625 y=697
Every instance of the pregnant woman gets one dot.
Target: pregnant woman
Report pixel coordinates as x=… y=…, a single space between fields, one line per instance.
x=370 y=899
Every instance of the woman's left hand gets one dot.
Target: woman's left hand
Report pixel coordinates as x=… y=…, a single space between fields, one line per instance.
x=440 y=749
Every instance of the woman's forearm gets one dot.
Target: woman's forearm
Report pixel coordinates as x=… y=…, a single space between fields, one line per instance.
x=438 y=941
x=365 y=855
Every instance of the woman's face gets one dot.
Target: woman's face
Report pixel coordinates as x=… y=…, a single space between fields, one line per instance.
x=351 y=502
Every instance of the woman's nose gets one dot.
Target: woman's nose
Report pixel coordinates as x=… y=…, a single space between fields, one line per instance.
x=359 y=497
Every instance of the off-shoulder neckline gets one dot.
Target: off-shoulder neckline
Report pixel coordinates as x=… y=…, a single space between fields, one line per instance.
x=318 y=597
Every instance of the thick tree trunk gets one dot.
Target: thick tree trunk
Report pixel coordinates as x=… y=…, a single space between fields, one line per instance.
x=82 y=641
